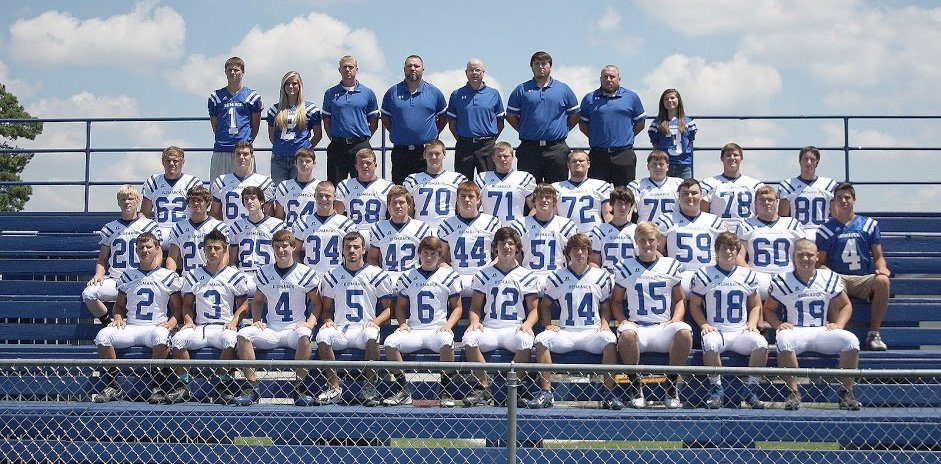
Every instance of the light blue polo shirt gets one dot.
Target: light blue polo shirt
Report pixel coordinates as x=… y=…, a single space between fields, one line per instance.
x=476 y=111
x=350 y=110
x=413 y=114
x=611 y=118
x=543 y=111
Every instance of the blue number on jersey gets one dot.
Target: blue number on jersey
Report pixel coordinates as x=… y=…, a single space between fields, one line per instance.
x=170 y=210
x=292 y=210
x=283 y=307
x=232 y=202
x=585 y=309
x=511 y=298
x=462 y=253
x=659 y=206
x=144 y=311
x=124 y=253
x=498 y=200
x=364 y=211
x=426 y=308
x=810 y=210
x=585 y=215
x=536 y=248
x=331 y=250
x=768 y=252
x=815 y=309
x=215 y=305
x=248 y=246
x=617 y=252
x=397 y=261
x=734 y=307
x=744 y=203
x=440 y=197
x=659 y=299
x=684 y=242
x=189 y=256
x=352 y=303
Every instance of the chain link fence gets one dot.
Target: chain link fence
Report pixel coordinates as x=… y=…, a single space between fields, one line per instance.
x=103 y=411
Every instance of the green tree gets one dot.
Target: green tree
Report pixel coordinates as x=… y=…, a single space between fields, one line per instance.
x=14 y=197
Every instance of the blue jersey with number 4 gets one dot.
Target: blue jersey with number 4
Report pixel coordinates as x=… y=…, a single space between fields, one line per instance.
x=849 y=246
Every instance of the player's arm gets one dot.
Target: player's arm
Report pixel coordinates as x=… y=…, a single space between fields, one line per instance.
x=606 y=215
x=617 y=304
x=119 y=310
x=374 y=256
x=822 y=259
x=101 y=265
x=754 y=311
x=770 y=312
x=742 y=252
x=595 y=258
x=500 y=125
x=146 y=208
x=841 y=309
x=454 y=302
x=241 y=307
x=256 y=124
x=604 y=312
x=216 y=209
x=213 y=123
x=445 y=253
x=475 y=315
x=545 y=314
x=878 y=258
x=188 y=314
x=386 y=313
x=696 y=310
x=258 y=308
x=234 y=256
x=316 y=307
x=784 y=207
x=298 y=251
x=677 y=304
x=176 y=307
x=268 y=207
x=339 y=207
x=278 y=210
x=271 y=129
x=531 y=304
x=173 y=258
x=327 y=309
x=705 y=206
x=401 y=304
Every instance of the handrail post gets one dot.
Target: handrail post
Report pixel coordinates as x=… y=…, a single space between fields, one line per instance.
x=383 y=151
x=87 y=162
x=846 y=148
x=512 y=383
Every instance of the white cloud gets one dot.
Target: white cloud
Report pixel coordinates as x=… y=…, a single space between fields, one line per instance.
x=19 y=87
x=269 y=53
x=609 y=20
x=145 y=35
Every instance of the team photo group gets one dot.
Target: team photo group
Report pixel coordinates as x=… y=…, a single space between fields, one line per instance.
x=537 y=249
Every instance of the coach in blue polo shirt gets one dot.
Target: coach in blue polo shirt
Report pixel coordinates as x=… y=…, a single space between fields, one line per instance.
x=611 y=116
x=543 y=111
x=413 y=111
x=350 y=117
x=475 y=118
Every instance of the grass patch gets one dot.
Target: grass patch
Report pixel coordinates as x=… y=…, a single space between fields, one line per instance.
x=616 y=444
x=797 y=445
x=436 y=443
x=252 y=441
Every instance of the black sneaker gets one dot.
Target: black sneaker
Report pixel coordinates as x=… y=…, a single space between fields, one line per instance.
x=479 y=397
x=793 y=401
x=180 y=394
x=224 y=393
x=848 y=401
x=157 y=396
x=108 y=394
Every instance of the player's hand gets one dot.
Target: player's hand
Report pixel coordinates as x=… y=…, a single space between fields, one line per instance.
x=751 y=329
x=404 y=327
x=445 y=329
x=233 y=326
x=95 y=281
x=552 y=327
x=328 y=323
x=525 y=329
x=883 y=271
x=602 y=327
x=832 y=326
x=191 y=325
x=370 y=323
x=475 y=326
x=260 y=324
x=785 y=326
x=165 y=325
x=707 y=328
x=624 y=325
x=118 y=322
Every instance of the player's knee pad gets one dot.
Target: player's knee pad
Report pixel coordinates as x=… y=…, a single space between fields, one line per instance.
x=847 y=341
x=522 y=341
x=472 y=338
x=105 y=336
x=441 y=339
x=303 y=332
x=713 y=341
x=369 y=333
x=394 y=340
x=159 y=336
x=329 y=336
x=228 y=338
x=181 y=339
x=545 y=338
x=786 y=340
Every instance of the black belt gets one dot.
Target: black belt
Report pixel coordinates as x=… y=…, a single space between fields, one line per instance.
x=613 y=149
x=410 y=147
x=545 y=143
x=350 y=140
x=477 y=139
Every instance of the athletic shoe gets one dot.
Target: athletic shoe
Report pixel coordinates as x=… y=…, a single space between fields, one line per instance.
x=611 y=401
x=874 y=342
x=108 y=394
x=716 y=397
x=224 y=393
x=479 y=396
x=638 y=401
x=793 y=401
x=303 y=399
x=848 y=401
x=368 y=396
x=157 y=396
x=752 y=400
x=543 y=399
x=247 y=398
x=331 y=395
x=673 y=402
x=445 y=398
x=180 y=394
x=400 y=398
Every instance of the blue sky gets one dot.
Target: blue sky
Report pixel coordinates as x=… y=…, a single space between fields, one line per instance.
x=760 y=57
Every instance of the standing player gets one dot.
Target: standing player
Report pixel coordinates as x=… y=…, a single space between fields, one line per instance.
x=186 y=238
x=504 y=191
x=725 y=304
x=227 y=189
x=475 y=119
x=545 y=234
x=503 y=311
x=582 y=291
x=294 y=198
x=656 y=194
x=116 y=254
x=434 y=189
x=583 y=200
x=234 y=114
x=807 y=197
x=251 y=237
x=318 y=235
x=689 y=233
x=280 y=316
x=655 y=308
x=164 y=195
x=851 y=245
x=613 y=241
x=730 y=194
x=350 y=118
x=215 y=298
x=351 y=294
x=468 y=235
x=363 y=198
x=144 y=314
x=427 y=293
x=769 y=239
x=393 y=242
x=808 y=295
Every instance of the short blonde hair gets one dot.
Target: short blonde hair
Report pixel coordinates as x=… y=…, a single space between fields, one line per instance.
x=128 y=190
x=646 y=229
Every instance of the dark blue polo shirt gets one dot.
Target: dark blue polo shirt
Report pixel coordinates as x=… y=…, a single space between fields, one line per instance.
x=476 y=111
x=413 y=114
x=611 y=119
x=350 y=111
x=543 y=111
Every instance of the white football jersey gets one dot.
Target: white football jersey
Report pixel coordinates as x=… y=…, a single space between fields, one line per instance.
x=730 y=198
x=435 y=195
x=654 y=198
x=648 y=288
x=770 y=245
x=504 y=195
x=582 y=201
x=168 y=199
x=214 y=295
x=297 y=199
x=227 y=190
x=355 y=294
x=188 y=237
x=148 y=295
x=544 y=243
x=323 y=239
x=285 y=293
x=690 y=240
x=365 y=202
x=428 y=294
x=810 y=201
x=613 y=243
x=505 y=294
x=398 y=243
x=254 y=241
x=469 y=240
x=806 y=303
x=121 y=237
x=579 y=296
x=725 y=295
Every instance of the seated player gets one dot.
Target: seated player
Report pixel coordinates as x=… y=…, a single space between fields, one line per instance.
x=468 y=235
x=807 y=295
x=503 y=311
x=613 y=241
x=688 y=233
x=363 y=198
x=280 y=317
x=769 y=239
x=393 y=242
x=725 y=305
x=227 y=189
x=251 y=237
x=296 y=198
x=350 y=295
x=144 y=314
x=164 y=195
x=807 y=197
x=655 y=309
x=116 y=254
x=583 y=200
x=582 y=291
x=186 y=238
x=319 y=234
x=434 y=189
x=505 y=192
x=215 y=298
x=544 y=234
x=730 y=194
x=656 y=194
x=431 y=296
x=851 y=245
